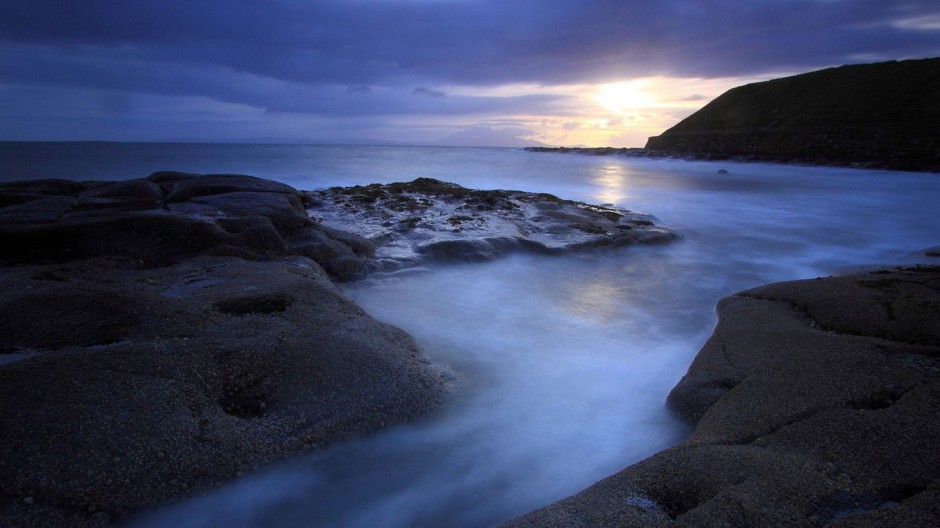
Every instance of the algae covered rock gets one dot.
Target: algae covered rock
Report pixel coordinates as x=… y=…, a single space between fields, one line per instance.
x=410 y=223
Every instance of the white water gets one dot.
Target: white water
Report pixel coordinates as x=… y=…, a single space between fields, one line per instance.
x=563 y=364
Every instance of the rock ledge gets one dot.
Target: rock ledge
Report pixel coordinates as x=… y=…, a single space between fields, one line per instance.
x=815 y=403
x=426 y=219
x=161 y=336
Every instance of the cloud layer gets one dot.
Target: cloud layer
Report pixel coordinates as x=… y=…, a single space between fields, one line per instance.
x=451 y=65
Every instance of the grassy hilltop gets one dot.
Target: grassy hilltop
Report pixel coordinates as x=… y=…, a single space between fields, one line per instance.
x=885 y=115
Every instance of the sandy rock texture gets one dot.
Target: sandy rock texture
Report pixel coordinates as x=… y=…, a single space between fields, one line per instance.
x=815 y=403
x=163 y=335
x=411 y=223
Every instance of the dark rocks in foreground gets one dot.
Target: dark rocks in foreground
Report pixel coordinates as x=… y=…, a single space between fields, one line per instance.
x=179 y=331
x=161 y=336
x=815 y=403
x=165 y=217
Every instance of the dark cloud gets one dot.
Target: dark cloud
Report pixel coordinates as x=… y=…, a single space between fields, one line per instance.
x=365 y=57
x=428 y=92
x=484 y=42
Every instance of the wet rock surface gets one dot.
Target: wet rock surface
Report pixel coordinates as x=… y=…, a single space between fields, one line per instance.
x=163 y=335
x=426 y=220
x=815 y=403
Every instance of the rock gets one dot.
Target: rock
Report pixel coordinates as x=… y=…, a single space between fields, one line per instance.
x=405 y=224
x=814 y=403
x=156 y=220
x=142 y=192
x=480 y=250
x=183 y=187
x=173 y=345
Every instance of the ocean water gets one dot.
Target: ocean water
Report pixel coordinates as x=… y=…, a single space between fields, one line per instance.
x=562 y=364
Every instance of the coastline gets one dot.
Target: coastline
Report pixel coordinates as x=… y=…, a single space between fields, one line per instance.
x=267 y=245
x=645 y=152
x=180 y=332
x=814 y=402
x=175 y=332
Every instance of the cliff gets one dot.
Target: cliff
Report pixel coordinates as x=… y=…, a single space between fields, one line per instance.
x=871 y=115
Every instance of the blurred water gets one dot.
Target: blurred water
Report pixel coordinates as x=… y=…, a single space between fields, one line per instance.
x=563 y=363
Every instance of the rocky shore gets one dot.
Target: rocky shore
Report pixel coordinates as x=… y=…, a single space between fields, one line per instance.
x=179 y=331
x=161 y=336
x=704 y=147
x=815 y=403
x=429 y=220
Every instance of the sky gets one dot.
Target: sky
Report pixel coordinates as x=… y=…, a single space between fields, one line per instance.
x=429 y=72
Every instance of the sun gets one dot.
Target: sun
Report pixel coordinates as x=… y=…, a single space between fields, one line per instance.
x=625 y=97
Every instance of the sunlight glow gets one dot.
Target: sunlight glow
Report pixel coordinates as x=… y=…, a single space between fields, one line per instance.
x=624 y=113
x=625 y=97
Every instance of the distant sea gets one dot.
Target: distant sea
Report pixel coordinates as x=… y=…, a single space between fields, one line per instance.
x=303 y=166
x=563 y=363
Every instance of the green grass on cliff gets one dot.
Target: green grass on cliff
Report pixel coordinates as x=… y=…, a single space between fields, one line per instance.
x=902 y=94
x=876 y=115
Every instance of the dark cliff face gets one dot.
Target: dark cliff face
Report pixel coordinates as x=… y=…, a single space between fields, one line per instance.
x=881 y=115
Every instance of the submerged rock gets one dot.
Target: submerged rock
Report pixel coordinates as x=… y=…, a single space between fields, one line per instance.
x=177 y=332
x=814 y=403
x=427 y=219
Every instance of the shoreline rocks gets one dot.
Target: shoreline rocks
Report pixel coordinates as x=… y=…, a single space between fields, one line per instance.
x=703 y=151
x=180 y=331
x=815 y=403
x=161 y=336
x=429 y=220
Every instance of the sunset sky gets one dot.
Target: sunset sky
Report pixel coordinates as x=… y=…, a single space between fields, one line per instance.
x=436 y=72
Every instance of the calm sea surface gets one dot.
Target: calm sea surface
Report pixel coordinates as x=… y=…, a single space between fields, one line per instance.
x=563 y=363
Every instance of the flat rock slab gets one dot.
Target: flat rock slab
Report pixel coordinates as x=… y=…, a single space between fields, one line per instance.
x=427 y=219
x=164 y=335
x=815 y=403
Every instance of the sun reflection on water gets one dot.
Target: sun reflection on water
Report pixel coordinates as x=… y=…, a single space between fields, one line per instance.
x=611 y=180
x=597 y=301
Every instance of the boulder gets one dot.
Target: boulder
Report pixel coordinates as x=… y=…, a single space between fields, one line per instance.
x=409 y=223
x=814 y=403
x=161 y=219
x=175 y=346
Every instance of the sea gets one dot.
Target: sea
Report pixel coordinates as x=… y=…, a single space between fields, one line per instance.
x=561 y=364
